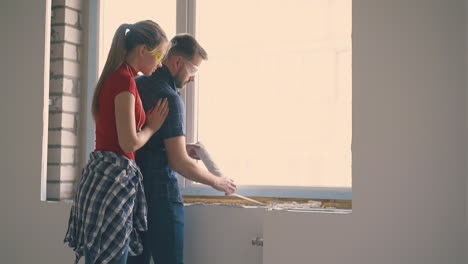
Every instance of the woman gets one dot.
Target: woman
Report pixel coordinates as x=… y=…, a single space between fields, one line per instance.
x=109 y=205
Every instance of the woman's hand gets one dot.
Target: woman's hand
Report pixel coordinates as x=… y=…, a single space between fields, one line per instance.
x=156 y=115
x=191 y=150
x=225 y=184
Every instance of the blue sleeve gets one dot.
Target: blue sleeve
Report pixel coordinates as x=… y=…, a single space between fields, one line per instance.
x=173 y=126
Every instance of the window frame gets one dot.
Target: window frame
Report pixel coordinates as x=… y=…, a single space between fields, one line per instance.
x=92 y=73
x=186 y=23
x=190 y=98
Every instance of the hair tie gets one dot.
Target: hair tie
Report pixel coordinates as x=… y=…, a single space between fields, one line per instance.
x=129 y=27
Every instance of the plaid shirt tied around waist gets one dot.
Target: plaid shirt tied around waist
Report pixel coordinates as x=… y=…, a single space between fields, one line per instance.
x=109 y=207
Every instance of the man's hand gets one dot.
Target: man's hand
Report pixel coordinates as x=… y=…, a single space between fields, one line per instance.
x=225 y=184
x=191 y=150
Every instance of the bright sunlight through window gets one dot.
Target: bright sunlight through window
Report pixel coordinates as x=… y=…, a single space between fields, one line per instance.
x=117 y=12
x=274 y=98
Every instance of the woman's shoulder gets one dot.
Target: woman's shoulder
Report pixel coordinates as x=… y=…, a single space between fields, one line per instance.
x=120 y=80
x=121 y=75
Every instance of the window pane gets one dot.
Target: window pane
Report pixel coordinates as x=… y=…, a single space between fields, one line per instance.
x=274 y=98
x=117 y=12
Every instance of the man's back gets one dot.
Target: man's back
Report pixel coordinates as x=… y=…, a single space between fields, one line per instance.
x=164 y=240
x=152 y=158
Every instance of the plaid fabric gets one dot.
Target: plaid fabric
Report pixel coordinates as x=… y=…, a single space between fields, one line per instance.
x=109 y=207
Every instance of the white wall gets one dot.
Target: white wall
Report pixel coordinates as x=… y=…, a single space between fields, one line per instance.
x=466 y=118
x=31 y=231
x=409 y=152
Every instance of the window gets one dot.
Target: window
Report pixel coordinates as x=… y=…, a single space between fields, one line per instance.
x=273 y=102
x=117 y=12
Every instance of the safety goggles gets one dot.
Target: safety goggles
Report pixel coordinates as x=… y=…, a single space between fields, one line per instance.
x=192 y=69
x=157 y=55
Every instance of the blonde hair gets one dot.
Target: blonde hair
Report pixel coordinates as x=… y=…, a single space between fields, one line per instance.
x=126 y=38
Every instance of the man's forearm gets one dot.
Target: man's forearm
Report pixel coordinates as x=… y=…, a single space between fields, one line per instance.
x=190 y=170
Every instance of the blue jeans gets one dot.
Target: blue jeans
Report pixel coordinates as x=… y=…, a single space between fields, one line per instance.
x=122 y=260
x=164 y=240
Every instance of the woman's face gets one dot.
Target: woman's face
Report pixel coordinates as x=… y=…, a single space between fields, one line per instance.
x=152 y=59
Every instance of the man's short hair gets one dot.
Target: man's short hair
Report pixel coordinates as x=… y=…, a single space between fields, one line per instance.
x=187 y=46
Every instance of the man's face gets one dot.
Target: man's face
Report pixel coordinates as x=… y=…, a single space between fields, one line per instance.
x=187 y=71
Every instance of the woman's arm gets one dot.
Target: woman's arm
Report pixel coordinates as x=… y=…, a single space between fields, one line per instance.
x=129 y=139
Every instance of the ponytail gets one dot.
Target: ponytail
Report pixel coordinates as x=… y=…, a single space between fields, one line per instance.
x=126 y=38
x=116 y=57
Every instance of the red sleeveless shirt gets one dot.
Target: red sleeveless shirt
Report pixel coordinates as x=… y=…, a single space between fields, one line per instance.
x=119 y=81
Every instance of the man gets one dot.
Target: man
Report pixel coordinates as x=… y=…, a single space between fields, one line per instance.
x=166 y=153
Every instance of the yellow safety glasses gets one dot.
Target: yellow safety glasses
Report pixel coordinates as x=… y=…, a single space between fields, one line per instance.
x=157 y=55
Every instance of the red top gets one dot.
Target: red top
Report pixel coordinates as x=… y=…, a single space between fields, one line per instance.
x=119 y=81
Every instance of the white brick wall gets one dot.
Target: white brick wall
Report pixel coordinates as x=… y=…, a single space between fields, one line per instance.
x=64 y=51
x=75 y=4
x=66 y=16
x=64 y=98
x=63 y=138
x=61 y=155
x=59 y=190
x=61 y=173
x=64 y=103
x=64 y=85
x=62 y=120
x=65 y=67
x=66 y=33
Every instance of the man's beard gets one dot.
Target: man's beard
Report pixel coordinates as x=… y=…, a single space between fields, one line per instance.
x=178 y=81
x=179 y=84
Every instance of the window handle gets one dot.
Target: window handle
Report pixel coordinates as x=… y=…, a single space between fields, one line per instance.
x=258 y=242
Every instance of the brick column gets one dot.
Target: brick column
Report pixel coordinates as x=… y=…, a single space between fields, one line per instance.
x=64 y=98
